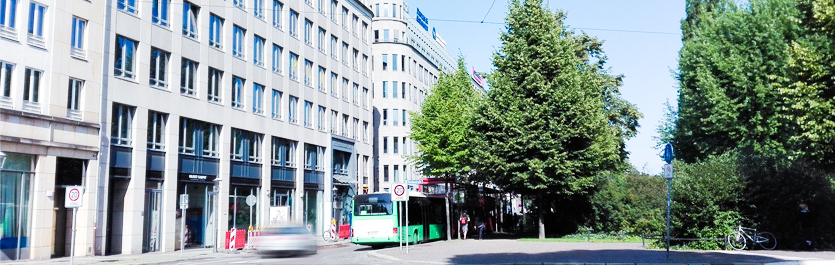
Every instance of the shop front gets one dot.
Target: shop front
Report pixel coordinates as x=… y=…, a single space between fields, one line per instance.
x=16 y=176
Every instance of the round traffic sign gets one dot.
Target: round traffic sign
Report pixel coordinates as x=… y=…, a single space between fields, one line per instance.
x=399 y=190
x=251 y=200
x=75 y=194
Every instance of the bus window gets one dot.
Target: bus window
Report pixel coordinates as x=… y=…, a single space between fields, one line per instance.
x=372 y=205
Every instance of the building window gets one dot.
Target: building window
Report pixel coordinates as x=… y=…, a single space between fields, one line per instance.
x=333 y=85
x=195 y=131
x=308 y=73
x=355 y=61
x=320 y=119
x=322 y=79
x=188 y=72
x=322 y=40
x=159 y=68
x=240 y=4
x=405 y=149
x=396 y=168
x=238 y=42
x=321 y=6
x=394 y=90
x=403 y=90
x=294 y=64
x=334 y=126
x=365 y=132
x=308 y=33
x=190 y=12
x=344 y=18
x=404 y=117
x=215 y=79
x=356 y=98
x=394 y=117
x=255 y=144
x=364 y=32
x=237 y=92
x=159 y=12
x=156 y=130
x=333 y=47
x=124 y=60
x=74 y=98
x=291 y=111
x=258 y=8
x=345 y=54
x=395 y=143
x=36 y=23
x=333 y=11
x=278 y=7
x=276 y=105
x=385 y=89
x=345 y=92
x=6 y=70
x=258 y=50
x=122 y=126
x=344 y=125
x=365 y=65
x=308 y=113
x=354 y=129
x=355 y=25
x=215 y=31
x=32 y=88
x=294 y=23
x=365 y=98
x=385 y=173
x=284 y=152
x=257 y=98
x=277 y=51
x=127 y=5
x=385 y=116
x=385 y=61
x=8 y=10
x=77 y=42
x=394 y=62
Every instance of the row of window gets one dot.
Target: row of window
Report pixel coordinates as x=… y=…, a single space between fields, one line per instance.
x=394 y=115
x=401 y=90
x=32 y=92
x=35 y=28
x=198 y=138
x=395 y=144
x=398 y=171
x=417 y=70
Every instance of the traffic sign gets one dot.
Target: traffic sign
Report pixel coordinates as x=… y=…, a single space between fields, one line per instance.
x=668 y=171
x=251 y=200
x=183 y=201
x=414 y=181
x=399 y=192
x=73 y=197
x=668 y=153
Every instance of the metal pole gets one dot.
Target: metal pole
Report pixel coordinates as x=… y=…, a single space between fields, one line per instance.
x=72 y=240
x=407 y=225
x=399 y=225
x=183 y=236
x=669 y=196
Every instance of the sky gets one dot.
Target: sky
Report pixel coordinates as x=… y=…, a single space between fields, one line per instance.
x=641 y=38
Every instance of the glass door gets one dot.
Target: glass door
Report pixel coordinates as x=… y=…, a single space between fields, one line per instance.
x=210 y=231
x=153 y=214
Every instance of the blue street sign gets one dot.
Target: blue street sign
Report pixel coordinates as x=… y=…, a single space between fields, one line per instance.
x=668 y=153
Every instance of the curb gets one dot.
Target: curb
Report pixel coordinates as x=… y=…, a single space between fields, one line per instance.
x=337 y=245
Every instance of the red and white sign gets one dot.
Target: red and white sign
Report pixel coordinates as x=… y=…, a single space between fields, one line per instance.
x=73 y=196
x=399 y=192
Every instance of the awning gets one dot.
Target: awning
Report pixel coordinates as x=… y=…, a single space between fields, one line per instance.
x=344 y=179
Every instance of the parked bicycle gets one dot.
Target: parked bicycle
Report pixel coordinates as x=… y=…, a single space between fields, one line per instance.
x=739 y=239
x=330 y=234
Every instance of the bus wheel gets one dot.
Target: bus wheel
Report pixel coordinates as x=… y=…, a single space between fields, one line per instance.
x=376 y=246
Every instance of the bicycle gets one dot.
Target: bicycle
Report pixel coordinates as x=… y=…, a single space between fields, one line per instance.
x=330 y=235
x=739 y=239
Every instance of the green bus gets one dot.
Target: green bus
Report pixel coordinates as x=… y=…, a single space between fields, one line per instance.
x=374 y=221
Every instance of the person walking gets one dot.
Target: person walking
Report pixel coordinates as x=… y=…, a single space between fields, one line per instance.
x=807 y=227
x=480 y=226
x=464 y=220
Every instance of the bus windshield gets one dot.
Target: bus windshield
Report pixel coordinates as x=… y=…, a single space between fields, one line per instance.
x=373 y=204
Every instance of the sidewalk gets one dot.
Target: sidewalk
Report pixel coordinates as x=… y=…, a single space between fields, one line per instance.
x=193 y=254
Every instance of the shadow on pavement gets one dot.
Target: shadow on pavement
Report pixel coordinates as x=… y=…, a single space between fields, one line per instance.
x=611 y=256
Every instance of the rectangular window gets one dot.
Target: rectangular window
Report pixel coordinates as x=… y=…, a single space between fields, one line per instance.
x=215 y=79
x=308 y=114
x=364 y=32
x=355 y=25
x=321 y=6
x=393 y=10
x=334 y=126
x=294 y=65
x=385 y=89
x=404 y=117
x=395 y=143
x=159 y=68
x=403 y=90
x=258 y=8
x=127 y=5
x=322 y=40
x=156 y=130
x=255 y=144
x=322 y=79
x=240 y=4
x=257 y=98
x=365 y=132
x=308 y=33
x=333 y=85
x=122 y=126
x=277 y=51
x=344 y=18
x=355 y=129
x=124 y=60
x=77 y=49
x=258 y=50
x=211 y=140
x=394 y=90
x=320 y=118
x=74 y=98
x=385 y=116
x=385 y=35
x=291 y=111
x=278 y=7
x=405 y=149
x=215 y=31
x=237 y=92
x=290 y=154
x=294 y=22
x=188 y=74
x=394 y=117
x=394 y=62
x=333 y=47
x=356 y=97
x=32 y=89
x=345 y=91
x=276 y=105
x=385 y=61
x=365 y=98
x=333 y=11
x=6 y=70
x=355 y=61
x=190 y=12
x=8 y=10
x=385 y=147
x=308 y=73
x=159 y=12
x=396 y=168
x=345 y=54
x=365 y=65
x=237 y=145
x=238 y=42
x=386 y=173
x=344 y=125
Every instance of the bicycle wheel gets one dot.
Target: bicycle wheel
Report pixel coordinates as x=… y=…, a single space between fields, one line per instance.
x=327 y=236
x=736 y=241
x=766 y=240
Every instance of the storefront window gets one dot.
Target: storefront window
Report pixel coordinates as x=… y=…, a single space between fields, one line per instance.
x=15 y=189
x=241 y=215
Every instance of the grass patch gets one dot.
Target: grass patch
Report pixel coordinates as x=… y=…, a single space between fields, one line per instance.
x=590 y=238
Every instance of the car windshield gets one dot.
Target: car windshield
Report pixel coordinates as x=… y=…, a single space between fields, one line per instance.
x=376 y=204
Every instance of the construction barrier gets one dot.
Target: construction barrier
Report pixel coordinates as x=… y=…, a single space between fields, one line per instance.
x=251 y=237
x=345 y=231
x=235 y=239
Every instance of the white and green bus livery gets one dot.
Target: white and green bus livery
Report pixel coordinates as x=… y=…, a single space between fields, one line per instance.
x=374 y=221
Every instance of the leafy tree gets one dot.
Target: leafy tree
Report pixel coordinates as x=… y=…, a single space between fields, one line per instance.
x=442 y=127
x=553 y=118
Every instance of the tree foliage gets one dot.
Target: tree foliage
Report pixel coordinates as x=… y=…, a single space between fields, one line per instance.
x=554 y=117
x=441 y=128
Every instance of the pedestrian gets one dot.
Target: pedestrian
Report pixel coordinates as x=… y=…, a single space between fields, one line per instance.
x=807 y=229
x=464 y=220
x=480 y=225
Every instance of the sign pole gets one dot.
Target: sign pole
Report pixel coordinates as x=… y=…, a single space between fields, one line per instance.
x=407 y=226
x=73 y=200
x=668 y=174
x=183 y=236
x=400 y=224
x=669 y=188
x=72 y=241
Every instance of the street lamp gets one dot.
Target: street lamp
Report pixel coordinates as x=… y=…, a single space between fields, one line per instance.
x=2 y=159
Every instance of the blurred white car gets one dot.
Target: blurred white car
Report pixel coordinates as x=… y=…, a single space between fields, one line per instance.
x=286 y=240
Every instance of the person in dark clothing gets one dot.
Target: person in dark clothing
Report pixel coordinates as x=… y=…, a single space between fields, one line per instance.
x=807 y=228
x=480 y=226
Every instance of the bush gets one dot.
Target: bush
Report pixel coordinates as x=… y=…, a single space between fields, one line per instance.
x=629 y=203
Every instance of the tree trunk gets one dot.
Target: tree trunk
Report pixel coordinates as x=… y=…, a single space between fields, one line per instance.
x=541 y=211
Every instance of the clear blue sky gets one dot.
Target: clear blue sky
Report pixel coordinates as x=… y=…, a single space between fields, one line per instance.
x=646 y=58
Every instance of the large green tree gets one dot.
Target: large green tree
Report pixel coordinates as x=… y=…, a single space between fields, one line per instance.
x=554 y=117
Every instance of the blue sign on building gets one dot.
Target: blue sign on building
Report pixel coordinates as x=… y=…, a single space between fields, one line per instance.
x=422 y=20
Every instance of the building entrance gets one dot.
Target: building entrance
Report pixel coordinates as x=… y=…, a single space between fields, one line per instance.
x=153 y=220
x=68 y=172
x=15 y=189
x=200 y=216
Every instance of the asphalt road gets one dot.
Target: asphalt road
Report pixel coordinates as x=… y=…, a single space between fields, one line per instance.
x=350 y=254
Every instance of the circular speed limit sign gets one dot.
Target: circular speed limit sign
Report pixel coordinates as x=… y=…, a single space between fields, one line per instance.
x=399 y=190
x=75 y=194
x=72 y=198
